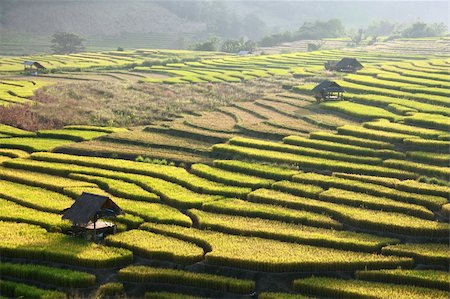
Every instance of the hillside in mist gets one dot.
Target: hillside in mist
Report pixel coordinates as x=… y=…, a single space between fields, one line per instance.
x=26 y=26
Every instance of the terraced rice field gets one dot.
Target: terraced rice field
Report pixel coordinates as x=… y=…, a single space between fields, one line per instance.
x=18 y=91
x=282 y=197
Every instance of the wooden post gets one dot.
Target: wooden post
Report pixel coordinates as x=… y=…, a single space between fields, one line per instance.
x=95 y=230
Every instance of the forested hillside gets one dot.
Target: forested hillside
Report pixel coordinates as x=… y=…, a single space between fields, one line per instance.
x=26 y=26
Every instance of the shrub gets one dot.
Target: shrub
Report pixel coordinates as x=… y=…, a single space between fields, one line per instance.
x=210 y=45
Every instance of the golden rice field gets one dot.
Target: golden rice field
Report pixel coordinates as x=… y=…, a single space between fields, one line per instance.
x=280 y=197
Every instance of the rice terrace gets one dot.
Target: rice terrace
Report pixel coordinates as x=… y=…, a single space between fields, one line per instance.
x=188 y=162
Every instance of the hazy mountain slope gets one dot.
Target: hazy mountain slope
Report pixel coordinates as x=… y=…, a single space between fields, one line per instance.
x=291 y=14
x=27 y=25
x=91 y=18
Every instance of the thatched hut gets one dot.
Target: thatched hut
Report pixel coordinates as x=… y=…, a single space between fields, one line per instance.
x=32 y=67
x=86 y=212
x=328 y=90
x=347 y=65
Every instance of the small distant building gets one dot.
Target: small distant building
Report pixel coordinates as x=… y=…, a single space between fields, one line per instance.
x=86 y=212
x=328 y=90
x=243 y=53
x=32 y=67
x=347 y=65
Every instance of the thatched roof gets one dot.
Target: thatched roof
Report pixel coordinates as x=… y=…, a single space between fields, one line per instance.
x=88 y=207
x=33 y=63
x=328 y=86
x=348 y=63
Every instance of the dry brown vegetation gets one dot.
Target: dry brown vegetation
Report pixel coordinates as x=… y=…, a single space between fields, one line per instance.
x=118 y=104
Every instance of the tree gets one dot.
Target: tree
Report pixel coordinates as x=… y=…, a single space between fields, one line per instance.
x=65 y=43
x=358 y=37
x=381 y=27
x=211 y=44
x=320 y=29
x=420 y=29
x=438 y=28
x=309 y=30
x=234 y=46
x=275 y=39
x=314 y=46
x=219 y=18
x=373 y=40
